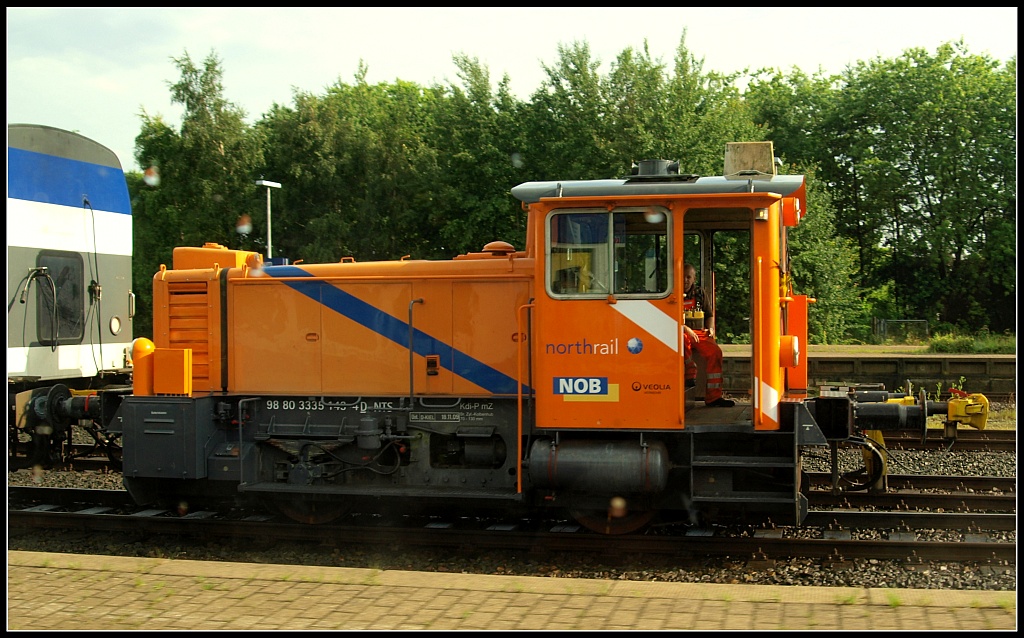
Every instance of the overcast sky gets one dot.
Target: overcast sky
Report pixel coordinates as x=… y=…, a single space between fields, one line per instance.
x=95 y=70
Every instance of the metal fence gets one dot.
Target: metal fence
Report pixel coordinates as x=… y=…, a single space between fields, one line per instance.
x=901 y=329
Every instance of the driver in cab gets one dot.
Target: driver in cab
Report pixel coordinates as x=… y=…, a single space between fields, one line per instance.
x=702 y=342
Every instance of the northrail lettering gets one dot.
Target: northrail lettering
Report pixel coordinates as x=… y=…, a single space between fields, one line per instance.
x=583 y=347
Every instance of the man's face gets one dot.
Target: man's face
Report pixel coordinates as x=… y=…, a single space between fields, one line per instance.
x=689 y=277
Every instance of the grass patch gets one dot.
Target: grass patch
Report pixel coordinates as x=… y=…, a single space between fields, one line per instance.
x=894 y=600
x=982 y=343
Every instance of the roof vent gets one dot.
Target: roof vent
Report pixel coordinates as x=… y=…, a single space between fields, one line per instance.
x=499 y=248
x=659 y=170
x=656 y=167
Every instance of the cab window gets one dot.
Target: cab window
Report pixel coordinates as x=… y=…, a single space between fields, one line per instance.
x=594 y=253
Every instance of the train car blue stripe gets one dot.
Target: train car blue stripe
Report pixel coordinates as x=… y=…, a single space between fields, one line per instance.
x=396 y=330
x=39 y=177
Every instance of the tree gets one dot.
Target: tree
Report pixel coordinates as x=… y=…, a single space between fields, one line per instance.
x=479 y=150
x=790 y=109
x=923 y=148
x=824 y=267
x=705 y=111
x=361 y=167
x=913 y=162
x=206 y=173
x=635 y=92
x=566 y=122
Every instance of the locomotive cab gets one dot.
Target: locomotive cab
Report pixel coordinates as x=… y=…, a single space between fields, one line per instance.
x=609 y=344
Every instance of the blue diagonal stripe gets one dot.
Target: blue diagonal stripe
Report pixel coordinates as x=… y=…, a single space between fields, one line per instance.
x=396 y=330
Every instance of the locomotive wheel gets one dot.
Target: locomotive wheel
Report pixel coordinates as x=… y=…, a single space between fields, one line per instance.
x=311 y=512
x=602 y=522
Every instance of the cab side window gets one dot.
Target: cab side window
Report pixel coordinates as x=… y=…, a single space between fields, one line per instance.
x=578 y=253
x=596 y=253
x=641 y=253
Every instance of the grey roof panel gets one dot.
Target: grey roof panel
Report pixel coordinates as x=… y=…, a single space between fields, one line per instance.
x=531 y=192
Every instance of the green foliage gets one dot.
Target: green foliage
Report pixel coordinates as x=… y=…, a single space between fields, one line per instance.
x=206 y=174
x=918 y=155
x=988 y=343
x=823 y=267
x=142 y=271
x=940 y=390
x=982 y=343
x=732 y=286
x=791 y=109
x=923 y=148
x=479 y=150
x=957 y=344
x=911 y=167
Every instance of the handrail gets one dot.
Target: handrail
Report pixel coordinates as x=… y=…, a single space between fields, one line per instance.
x=758 y=338
x=411 y=351
x=519 y=395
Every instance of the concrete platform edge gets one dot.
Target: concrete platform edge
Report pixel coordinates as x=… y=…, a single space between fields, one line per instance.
x=883 y=597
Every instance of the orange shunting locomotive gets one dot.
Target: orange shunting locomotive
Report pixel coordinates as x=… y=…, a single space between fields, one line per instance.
x=508 y=380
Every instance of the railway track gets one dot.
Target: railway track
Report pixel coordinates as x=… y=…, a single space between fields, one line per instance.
x=900 y=524
x=905 y=491
x=965 y=494
x=966 y=441
x=835 y=534
x=564 y=537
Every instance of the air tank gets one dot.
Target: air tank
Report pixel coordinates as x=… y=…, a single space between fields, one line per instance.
x=602 y=467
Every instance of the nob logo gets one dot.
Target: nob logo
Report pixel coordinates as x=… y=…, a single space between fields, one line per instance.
x=580 y=385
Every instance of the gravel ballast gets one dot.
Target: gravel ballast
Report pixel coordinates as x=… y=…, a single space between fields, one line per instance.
x=856 y=573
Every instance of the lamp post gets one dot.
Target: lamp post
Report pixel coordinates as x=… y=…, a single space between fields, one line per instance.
x=269 y=185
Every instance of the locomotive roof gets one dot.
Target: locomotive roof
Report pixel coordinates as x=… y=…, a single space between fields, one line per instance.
x=785 y=185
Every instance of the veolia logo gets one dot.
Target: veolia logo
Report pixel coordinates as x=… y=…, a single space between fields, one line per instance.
x=580 y=385
x=650 y=387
